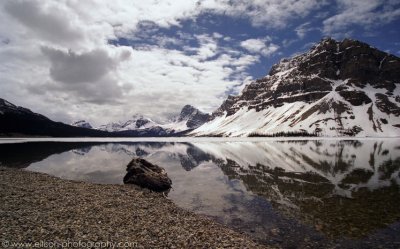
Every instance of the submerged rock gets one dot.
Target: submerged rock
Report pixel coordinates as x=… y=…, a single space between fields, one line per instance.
x=147 y=175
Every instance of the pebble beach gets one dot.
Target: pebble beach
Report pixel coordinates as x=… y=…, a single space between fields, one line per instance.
x=52 y=212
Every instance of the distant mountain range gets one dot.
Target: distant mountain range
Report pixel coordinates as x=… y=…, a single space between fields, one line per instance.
x=19 y=121
x=338 y=88
x=188 y=119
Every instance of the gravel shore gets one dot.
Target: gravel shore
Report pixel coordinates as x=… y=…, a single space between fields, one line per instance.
x=39 y=208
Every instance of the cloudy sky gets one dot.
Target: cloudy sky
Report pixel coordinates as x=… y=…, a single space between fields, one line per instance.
x=107 y=60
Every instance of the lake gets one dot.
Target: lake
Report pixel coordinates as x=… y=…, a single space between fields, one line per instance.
x=294 y=193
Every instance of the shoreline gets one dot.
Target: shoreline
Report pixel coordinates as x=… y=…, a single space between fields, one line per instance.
x=6 y=140
x=39 y=208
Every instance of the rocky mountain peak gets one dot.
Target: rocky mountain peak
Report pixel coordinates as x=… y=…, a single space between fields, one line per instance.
x=340 y=60
x=193 y=117
x=332 y=79
x=311 y=75
x=186 y=112
x=141 y=121
x=82 y=123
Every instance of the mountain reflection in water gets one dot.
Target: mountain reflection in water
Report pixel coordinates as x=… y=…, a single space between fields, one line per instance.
x=289 y=193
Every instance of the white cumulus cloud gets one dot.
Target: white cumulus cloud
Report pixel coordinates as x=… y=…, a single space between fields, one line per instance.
x=59 y=54
x=260 y=46
x=367 y=13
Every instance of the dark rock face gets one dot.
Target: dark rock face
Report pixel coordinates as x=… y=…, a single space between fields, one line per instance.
x=226 y=106
x=141 y=122
x=194 y=117
x=351 y=59
x=356 y=98
x=147 y=175
x=386 y=106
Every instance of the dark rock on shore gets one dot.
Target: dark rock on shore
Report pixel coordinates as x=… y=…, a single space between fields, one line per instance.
x=147 y=175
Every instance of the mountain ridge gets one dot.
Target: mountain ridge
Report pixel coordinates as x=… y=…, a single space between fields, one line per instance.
x=338 y=88
x=20 y=121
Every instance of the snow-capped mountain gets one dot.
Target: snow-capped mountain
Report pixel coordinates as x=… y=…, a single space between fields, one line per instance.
x=82 y=123
x=338 y=88
x=193 y=117
x=137 y=122
x=189 y=118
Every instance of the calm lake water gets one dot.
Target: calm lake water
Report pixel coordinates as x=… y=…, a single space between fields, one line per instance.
x=295 y=194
